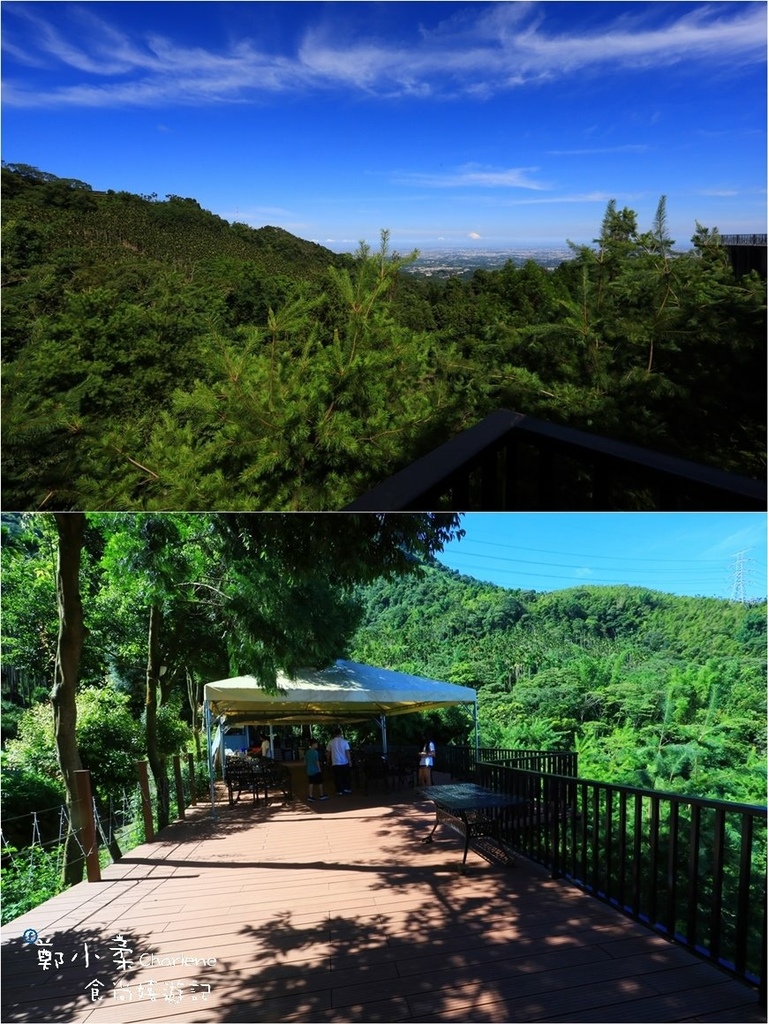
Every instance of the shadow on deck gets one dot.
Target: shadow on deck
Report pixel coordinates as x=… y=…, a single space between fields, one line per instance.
x=337 y=912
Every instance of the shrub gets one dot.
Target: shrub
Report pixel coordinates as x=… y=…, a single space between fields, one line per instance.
x=34 y=748
x=110 y=740
x=108 y=737
x=24 y=791
x=29 y=879
x=172 y=734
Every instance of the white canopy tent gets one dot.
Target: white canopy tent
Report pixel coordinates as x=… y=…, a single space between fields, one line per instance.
x=346 y=692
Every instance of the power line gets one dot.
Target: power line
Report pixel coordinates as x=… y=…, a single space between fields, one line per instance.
x=691 y=578
x=583 y=559
x=614 y=579
x=704 y=576
x=572 y=554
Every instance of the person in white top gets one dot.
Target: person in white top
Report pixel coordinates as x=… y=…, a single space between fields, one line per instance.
x=265 y=748
x=341 y=762
x=426 y=761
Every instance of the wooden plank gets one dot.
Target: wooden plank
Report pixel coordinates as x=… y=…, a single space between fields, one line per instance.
x=337 y=912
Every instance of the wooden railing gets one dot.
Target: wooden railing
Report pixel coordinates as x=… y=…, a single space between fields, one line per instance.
x=510 y=462
x=693 y=870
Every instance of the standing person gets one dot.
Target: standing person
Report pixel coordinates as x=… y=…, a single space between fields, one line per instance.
x=426 y=761
x=265 y=747
x=341 y=760
x=314 y=772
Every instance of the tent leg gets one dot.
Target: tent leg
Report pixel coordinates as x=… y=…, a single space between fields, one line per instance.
x=211 y=779
x=382 y=724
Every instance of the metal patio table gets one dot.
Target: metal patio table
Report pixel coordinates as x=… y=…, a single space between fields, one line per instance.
x=469 y=810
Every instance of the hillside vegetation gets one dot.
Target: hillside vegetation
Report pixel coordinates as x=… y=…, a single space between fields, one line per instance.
x=651 y=689
x=157 y=357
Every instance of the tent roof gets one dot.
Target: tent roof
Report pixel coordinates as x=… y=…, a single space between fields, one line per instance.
x=345 y=692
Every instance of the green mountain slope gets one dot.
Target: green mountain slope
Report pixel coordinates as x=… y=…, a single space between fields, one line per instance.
x=157 y=357
x=652 y=689
x=43 y=215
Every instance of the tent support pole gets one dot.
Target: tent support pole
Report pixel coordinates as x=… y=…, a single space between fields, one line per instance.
x=477 y=733
x=381 y=721
x=211 y=780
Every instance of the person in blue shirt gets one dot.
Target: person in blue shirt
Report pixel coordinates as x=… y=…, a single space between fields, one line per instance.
x=314 y=772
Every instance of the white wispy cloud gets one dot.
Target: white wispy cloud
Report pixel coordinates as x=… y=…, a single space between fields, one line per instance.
x=748 y=538
x=479 y=50
x=579 y=197
x=475 y=176
x=584 y=572
x=145 y=71
x=599 y=151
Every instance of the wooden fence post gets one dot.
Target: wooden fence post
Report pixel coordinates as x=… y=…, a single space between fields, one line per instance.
x=87 y=824
x=179 y=785
x=146 y=803
x=192 y=780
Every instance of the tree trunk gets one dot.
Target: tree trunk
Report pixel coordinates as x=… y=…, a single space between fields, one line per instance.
x=194 y=706
x=156 y=761
x=71 y=531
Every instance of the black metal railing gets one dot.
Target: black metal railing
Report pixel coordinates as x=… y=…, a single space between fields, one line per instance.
x=461 y=762
x=746 y=253
x=510 y=461
x=744 y=239
x=693 y=870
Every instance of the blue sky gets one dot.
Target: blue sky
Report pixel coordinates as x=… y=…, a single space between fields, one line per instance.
x=681 y=553
x=451 y=124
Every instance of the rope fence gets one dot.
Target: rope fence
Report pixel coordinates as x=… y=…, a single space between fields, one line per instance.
x=33 y=867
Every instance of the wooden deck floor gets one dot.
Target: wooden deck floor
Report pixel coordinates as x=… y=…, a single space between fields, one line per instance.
x=336 y=911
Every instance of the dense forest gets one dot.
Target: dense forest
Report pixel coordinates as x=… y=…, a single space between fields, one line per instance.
x=157 y=357
x=651 y=689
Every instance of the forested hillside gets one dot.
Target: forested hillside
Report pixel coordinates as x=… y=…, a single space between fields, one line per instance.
x=159 y=358
x=652 y=689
